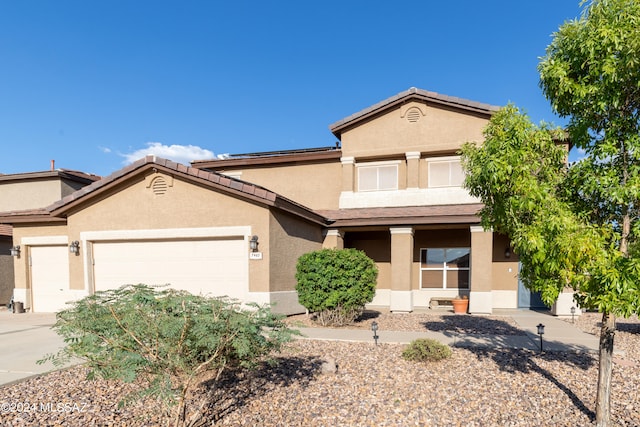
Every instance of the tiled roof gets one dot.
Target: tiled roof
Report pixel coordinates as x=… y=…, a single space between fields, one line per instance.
x=272 y=158
x=221 y=182
x=403 y=97
x=440 y=214
x=58 y=173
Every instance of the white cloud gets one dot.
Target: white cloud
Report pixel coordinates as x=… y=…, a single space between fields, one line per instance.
x=178 y=153
x=105 y=150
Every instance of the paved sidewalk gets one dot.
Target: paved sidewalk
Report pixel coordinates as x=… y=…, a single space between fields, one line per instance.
x=24 y=339
x=28 y=337
x=558 y=334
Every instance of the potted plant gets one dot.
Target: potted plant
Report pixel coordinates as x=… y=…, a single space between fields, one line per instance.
x=460 y=304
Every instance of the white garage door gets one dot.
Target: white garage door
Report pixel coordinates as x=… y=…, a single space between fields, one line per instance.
x=49 y=278
x=203 y=267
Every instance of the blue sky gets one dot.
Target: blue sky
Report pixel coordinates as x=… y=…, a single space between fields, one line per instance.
x=95 y=84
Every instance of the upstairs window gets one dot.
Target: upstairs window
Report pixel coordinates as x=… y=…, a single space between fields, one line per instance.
x=446 y=172
x=378 y=176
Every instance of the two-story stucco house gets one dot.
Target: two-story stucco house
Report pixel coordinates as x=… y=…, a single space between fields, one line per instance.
x=391 y=187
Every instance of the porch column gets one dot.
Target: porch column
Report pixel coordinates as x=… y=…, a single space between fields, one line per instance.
x=401 y=267
x=348 y=166
x=334 y=239
x=480 y=296
x=413 y=169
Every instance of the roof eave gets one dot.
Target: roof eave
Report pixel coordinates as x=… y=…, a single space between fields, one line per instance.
x=268 y=160
x=340 y=126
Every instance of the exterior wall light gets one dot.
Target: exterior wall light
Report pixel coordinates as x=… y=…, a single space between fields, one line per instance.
x=507 y=252
x=15 y=251
x=253 y=244
x=540 y=332
x=374 y=328
x=74 y=247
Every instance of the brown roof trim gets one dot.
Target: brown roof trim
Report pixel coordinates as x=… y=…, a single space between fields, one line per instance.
x=6 y=230
x=228 y=185
x=269 y=159
x=84 y=178
x=403 y=97
x=411 y=215
x=29 y=216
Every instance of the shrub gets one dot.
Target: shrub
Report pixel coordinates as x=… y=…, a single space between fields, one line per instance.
x=169 y=338
x=336 y=284
x=426 y=350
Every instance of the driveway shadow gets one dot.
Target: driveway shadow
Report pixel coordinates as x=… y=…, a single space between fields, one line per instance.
x=472 y=325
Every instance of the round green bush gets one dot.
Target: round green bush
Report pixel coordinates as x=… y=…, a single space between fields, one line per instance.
x=336 y=284
x=426 y=350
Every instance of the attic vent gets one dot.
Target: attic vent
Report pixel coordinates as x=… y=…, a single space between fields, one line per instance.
x=413 y=115
x=159 y=186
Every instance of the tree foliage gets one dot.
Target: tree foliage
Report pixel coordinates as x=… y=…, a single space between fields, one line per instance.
x=521 y=176
x=575 y=225
x=336 y=283
x=169 y=339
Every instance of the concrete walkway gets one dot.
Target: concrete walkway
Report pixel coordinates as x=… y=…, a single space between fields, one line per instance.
x=28 y=337
x=24 y=339
x=558 y=334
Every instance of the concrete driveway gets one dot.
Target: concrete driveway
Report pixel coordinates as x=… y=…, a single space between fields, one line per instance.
x=24 y=339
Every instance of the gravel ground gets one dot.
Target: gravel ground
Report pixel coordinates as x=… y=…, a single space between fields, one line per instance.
x=373 y=386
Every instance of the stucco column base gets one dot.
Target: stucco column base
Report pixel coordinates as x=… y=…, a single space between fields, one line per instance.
x=562 y=306
x=401 y=301
x=480 y=302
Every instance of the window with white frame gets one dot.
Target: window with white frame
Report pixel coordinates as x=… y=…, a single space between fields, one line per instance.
x=444 y=268
x=445 y=172
x=378 y=176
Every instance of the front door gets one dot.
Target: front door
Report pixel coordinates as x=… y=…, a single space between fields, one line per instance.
x=527 y=298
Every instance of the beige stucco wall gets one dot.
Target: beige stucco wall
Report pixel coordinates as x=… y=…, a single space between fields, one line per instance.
x=67 y=187
x=315 y=185
x=134 y=206
x=438 y=130
x=184 y=205
x=504 y=270
x=289 y=238
x=23 y=195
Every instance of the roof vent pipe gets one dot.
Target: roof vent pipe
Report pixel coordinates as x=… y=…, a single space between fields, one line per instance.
x=53 y=165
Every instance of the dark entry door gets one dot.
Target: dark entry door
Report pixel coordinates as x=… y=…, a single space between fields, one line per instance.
x=527 y=298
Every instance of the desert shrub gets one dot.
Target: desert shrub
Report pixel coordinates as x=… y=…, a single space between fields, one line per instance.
x=171 y=339
x=426 y=350
x=336 y=284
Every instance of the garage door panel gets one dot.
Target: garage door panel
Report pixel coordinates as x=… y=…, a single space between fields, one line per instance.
x=207 y=267
x=49 y=278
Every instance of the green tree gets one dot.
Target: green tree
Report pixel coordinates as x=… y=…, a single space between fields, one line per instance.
x=591 y=74
x=531 y=195
x=336 y=283
x=169 y=339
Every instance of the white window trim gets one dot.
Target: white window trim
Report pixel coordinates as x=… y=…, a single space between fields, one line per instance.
x=444 y=159
x=376 y=165
x=444 y=269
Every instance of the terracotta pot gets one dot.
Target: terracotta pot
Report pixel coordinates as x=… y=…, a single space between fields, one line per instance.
x=460 y=306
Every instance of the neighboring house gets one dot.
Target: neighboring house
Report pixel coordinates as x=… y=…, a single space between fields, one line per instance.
x=391 y=188
x=24 y=191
